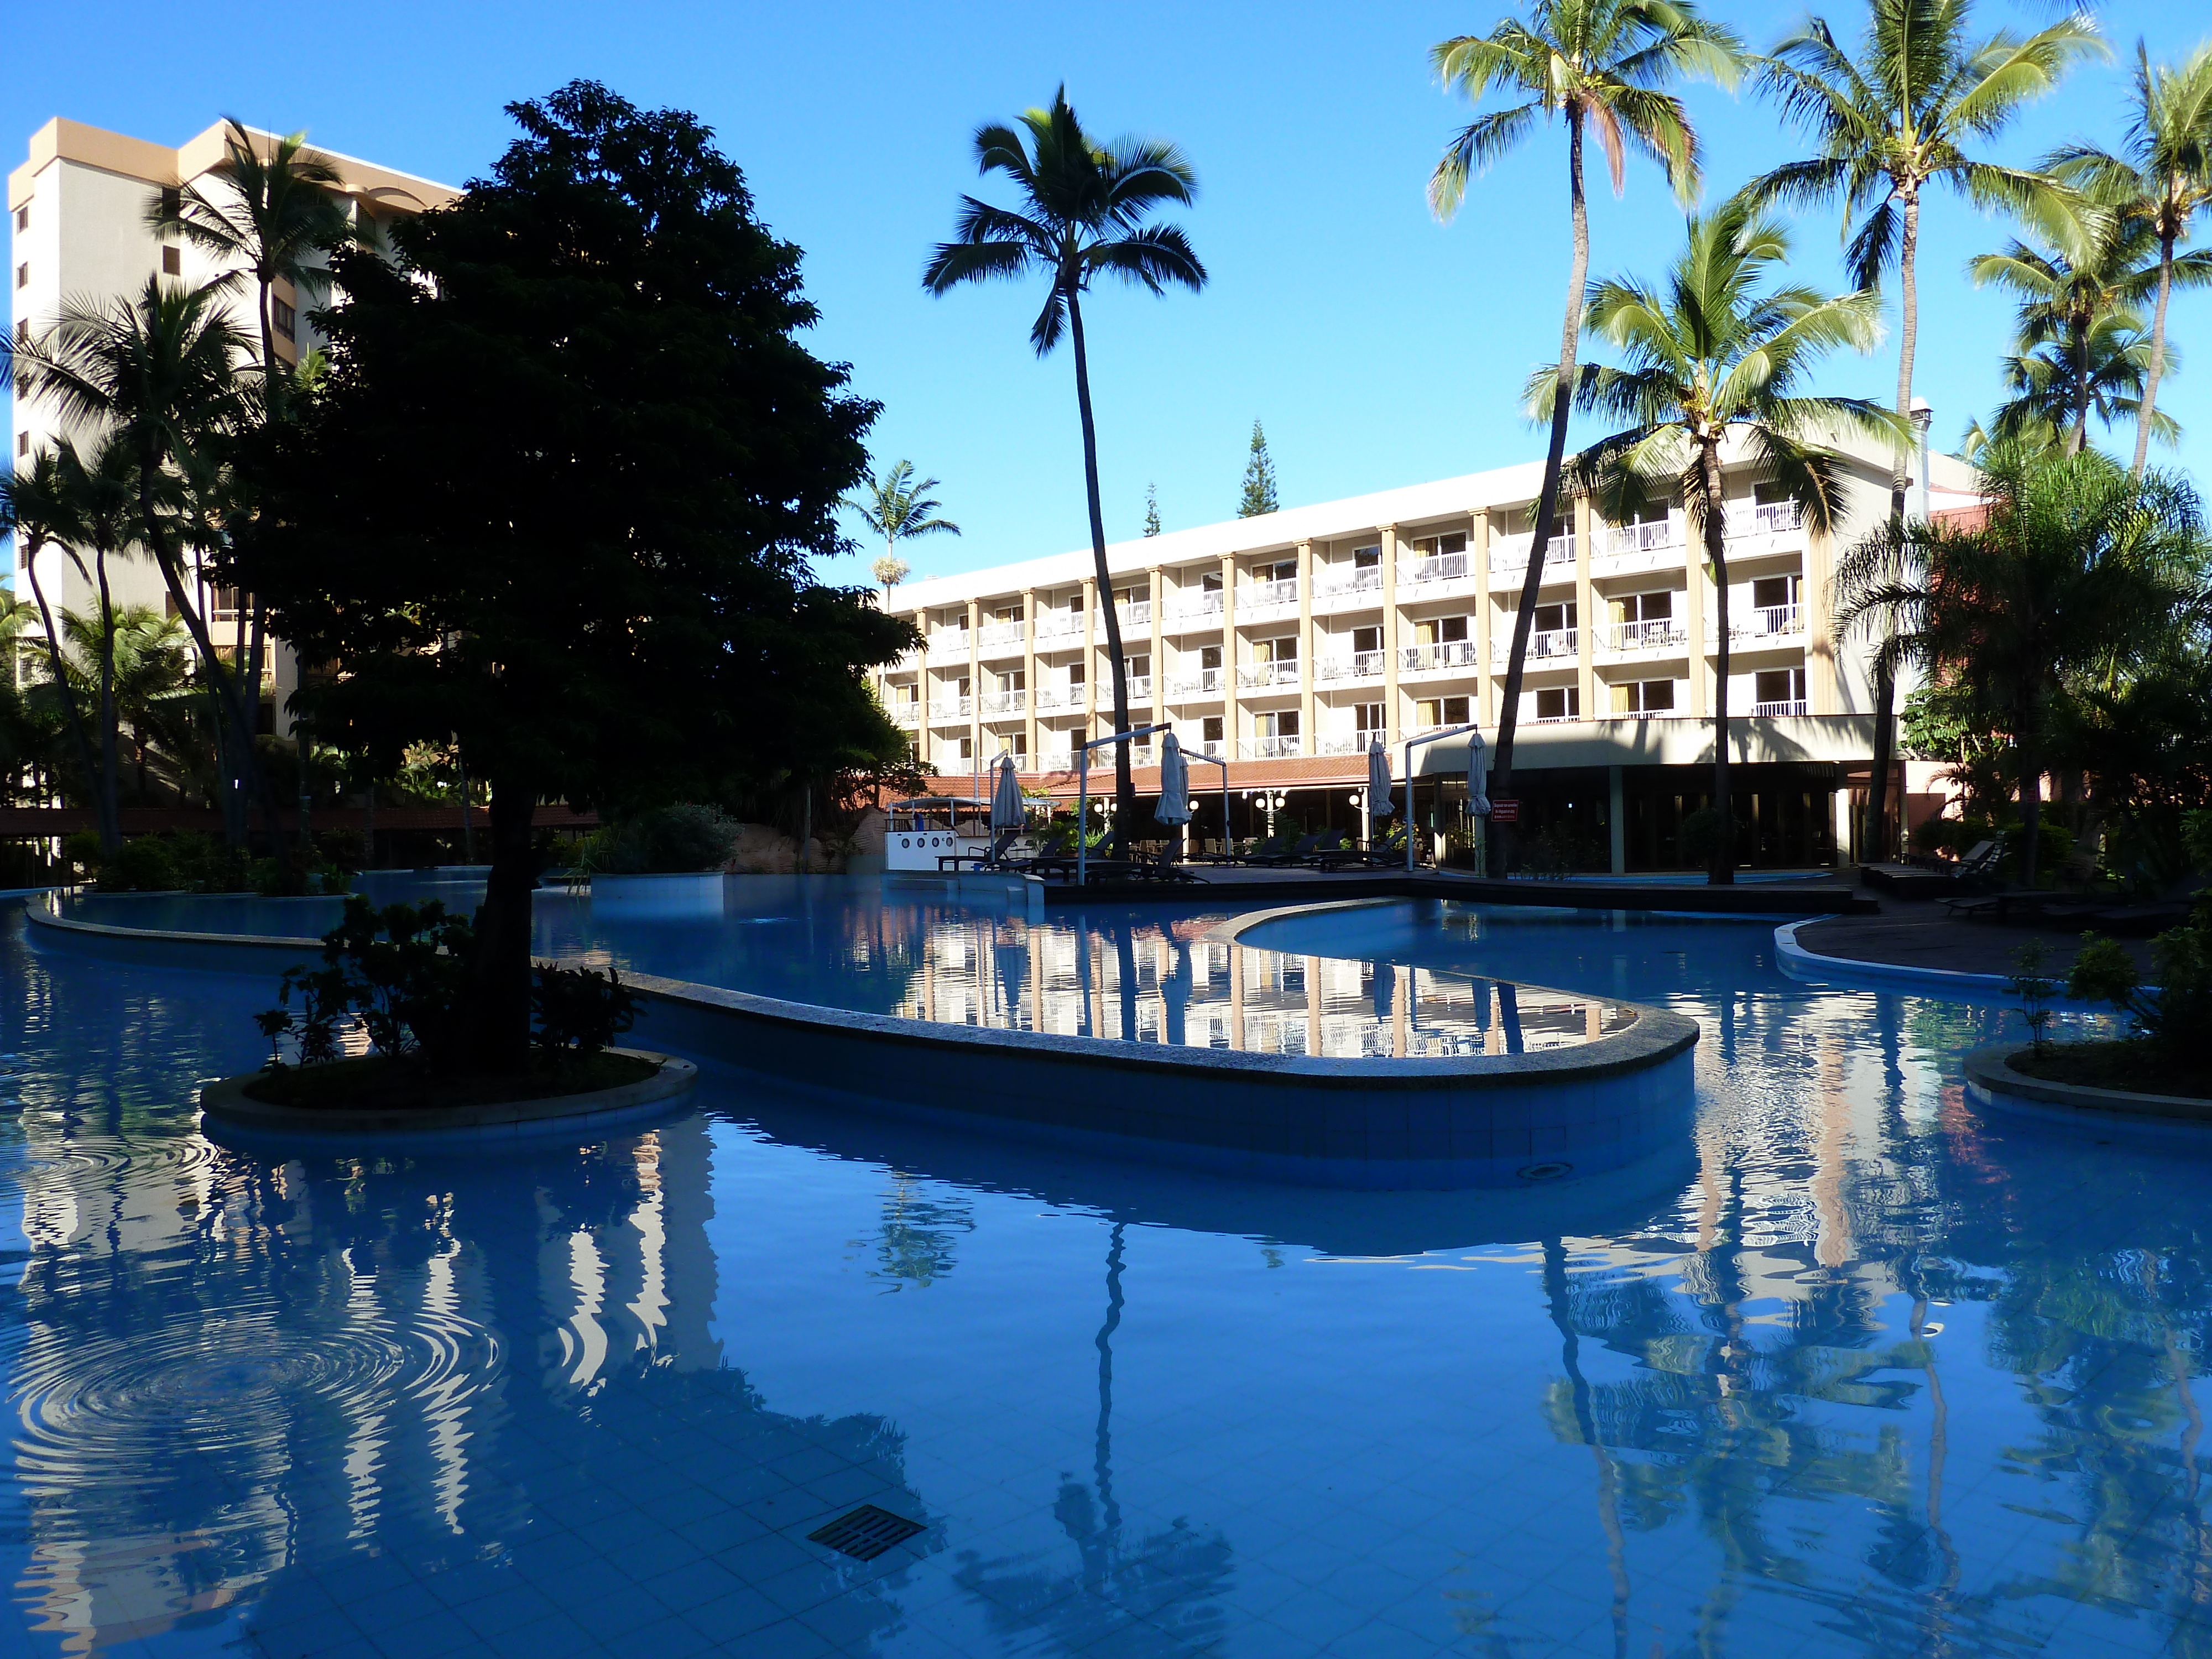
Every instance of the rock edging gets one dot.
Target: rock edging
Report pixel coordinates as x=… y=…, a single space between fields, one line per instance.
x=1989 y=1072
x=226 y=1101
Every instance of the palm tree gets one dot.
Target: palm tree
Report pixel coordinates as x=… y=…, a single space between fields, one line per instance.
x=2080 y=567
x=1083 y=208
x=105 y=494
x=41 y=514
x=1715 y=361
x=898 y=507
x=279 y=221
x=1594 y=63
x=2064 y=301
x=2163 y=177
x=1887 y=123
x=2053 y=383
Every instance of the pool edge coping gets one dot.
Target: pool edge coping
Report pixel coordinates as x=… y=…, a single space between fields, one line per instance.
x=1988 y=1071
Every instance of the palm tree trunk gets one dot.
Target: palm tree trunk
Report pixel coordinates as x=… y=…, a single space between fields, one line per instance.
x=110 y=757
x=1125 y=786
x=1500 y=841
x=2079 y=436
x=2030 y=806
x=1723 y=868
x=2157 y=354
x=1900 y=480
x=109 y=836
x=497 y=1033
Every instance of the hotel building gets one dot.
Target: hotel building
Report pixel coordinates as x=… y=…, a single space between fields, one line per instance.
x=1286 y=644
x=79 y=236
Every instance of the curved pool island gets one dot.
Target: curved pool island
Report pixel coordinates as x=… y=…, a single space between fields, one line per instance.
x=1192 y=1047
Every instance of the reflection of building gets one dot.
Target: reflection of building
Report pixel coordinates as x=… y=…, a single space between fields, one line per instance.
x=1286 y=644
x=289 y=1387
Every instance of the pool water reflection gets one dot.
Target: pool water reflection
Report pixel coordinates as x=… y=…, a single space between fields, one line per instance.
x=1862 y=1371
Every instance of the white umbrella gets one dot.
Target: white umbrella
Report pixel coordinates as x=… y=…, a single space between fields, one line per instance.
x=1478 y=772
x=1175 y=783
x=1008 y=809
x=1378 y=781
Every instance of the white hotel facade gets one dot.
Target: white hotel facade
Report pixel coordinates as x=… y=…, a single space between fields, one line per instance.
x=1286 y=644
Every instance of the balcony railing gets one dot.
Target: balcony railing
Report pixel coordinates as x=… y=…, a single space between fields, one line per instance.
x=1768 y=621
x=907 y=712
x=1002 y=633
x=1206 y=683
x=1005 y=702
x=1267 y=748
x=1618 y=540
x=1346 y=584
x=1437 y=567
x=1058 y=625
x=1140 y=689
x=1779 y=710
x=1553 y=719
x=948 y=642
x=1444 y=653
x=1546 y=643
x=1773 y=518
x=1650 y=634
x=1266 y=673
x=1060 y=696
x=1138 y=613
x=952 y=709
x=1267 y=596
x=1196 y=607
x=1511 y=552
x=1351 y=743
x=1354 y=665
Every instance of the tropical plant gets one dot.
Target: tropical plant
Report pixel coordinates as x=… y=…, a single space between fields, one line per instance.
x=2161 y=178
x=2079 y=568
x=681 y=642
x=276 y=221
x=1887 y=122
x=1151 y=510
x=41 y=514
x=1598 y=65
x=1715 y=363
x=2057 y=386
x=1084 y=209
x=104 y=491
x=1259 y=494
x=899 y=507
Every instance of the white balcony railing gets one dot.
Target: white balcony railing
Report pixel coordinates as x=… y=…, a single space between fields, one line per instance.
x=1544 y=643
x=1140 y=688
x=1002 y=634
x=948 y=642
x=1554 y=719
x=1353 y=665
x=1651 y=635
x=1060 y=696
x=1267 y=596
x=1511 y=552
x=1774 y=517
x=1769 y=622
x=1195 y=607
x=1429 y=659
x=907 y=712
x=1778 y=710
x=1266 y=673
x=1058 y=625
x=1349 y=583
x=1351 y=743
x=1267 y=748
x=1206 y=683
x=1438 y=568
x=1005 y=702
x=1138 y=613
x=952 y=709
x=1622 y=540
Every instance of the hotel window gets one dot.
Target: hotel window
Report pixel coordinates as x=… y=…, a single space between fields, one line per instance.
x=964 y=685
x=1284 y=650
x=23 y=275
x=1018 y=744
x=284 y=320
x=173 y=262
x=172 y=202
x=1647 y=607
x=1367 y=719
x=23 y=217
x=1210 y=582
x=1366 y=641
x=1140 y=667
x=1075 y=677
x=1132 y=595
x=1785 y=685
x=1209 y=657
x=1285 y=570
x=22 y=443
x=1014 y=679
x=1007 y=613
x=1553 y=618
x=1771 y=592
x=1562 y=702
x=1443 y=630
x=1366 y=558
x=1445 y=711
x=967 y=748
x=1210 y=729
x=1430 y=547
x=1277 y=725
x=22 y=331
x=1645 y=697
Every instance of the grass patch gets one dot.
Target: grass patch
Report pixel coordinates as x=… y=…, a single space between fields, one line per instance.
x=2126 y=1063
x=376 y=1083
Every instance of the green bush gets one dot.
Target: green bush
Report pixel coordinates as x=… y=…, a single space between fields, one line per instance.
x=81 y=848
x=141 y=865
x=667 y=840
x=400 y=970
x=579 y=1010
x=2174 y=1017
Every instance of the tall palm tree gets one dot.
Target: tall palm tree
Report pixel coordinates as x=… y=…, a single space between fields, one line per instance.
x=275 y=222
x=158 y=374
x=2080 y=566
x=1598 y=65
x=2064 y=301
x=1085 y=205
x=2163 y=176
x=104 y=494
x=2054 y=384
x=1714 y=363
x=41 y=514
x=1887 y=122
x=898 y=507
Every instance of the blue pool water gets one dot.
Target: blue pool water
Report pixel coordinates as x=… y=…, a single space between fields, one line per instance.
x=1860 y=1369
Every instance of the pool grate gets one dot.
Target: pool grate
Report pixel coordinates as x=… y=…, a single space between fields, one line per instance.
x=866 y=1531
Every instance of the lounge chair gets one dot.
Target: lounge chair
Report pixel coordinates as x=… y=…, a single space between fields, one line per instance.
x=993 y=860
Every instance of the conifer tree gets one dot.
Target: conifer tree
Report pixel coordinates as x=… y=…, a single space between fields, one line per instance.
x=1259 y=479
x=1151 y=510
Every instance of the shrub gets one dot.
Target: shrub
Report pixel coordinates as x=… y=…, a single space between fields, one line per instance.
x=2174 y=1017
x=1700 y=836
x=2034 y=990
x=667 y=840
x=579 y=1010
x=141 y=865
x=81 y=848
x=399 y=970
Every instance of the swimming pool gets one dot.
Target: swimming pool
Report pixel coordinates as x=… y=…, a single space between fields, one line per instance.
x=1857 y=1369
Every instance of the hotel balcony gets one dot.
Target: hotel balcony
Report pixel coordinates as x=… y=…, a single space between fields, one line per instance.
x=1257 y=599
x=1550 y=644
x=1766 y=519
x=1060 y=697
x=1779 y=710
x=1138 y=613
x=1444 y=656
x=1658 y=633
x=1441 y=574
x=1349 y=590
x=1511 y=552
x=1620 y=549
x=1003 y=638
x=1265 y=748
x=1058 y=625
x=943 y=710
x=1004 y=703
x=1354 y=665
x=1350 y=742
x=1766 y=622
x=1195 y=610
x=1263 y=674
x=907 y=712
x=948 y=642
x=1206 y=683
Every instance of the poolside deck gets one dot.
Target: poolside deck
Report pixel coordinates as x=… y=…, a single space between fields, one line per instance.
x=1921 y=934
x=1250 y=887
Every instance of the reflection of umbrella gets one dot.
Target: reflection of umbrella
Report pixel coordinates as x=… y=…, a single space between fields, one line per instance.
x=1478 y=796
x=1378 y=781
x=1175 y=783
x=1008 y=810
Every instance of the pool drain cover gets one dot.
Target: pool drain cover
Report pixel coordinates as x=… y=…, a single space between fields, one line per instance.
x=1545 y=1171
x=866 y=1532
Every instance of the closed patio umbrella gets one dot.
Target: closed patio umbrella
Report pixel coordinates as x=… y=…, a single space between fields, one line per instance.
x=1477 y=777
x=1174 y=807
x=1009 y=810
x=1379 y=804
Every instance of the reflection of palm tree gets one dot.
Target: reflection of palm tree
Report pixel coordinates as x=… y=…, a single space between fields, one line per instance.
x=1156 y=1590
x=915 y=1245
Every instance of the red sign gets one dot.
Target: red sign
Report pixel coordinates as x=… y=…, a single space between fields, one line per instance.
x=1506 y=811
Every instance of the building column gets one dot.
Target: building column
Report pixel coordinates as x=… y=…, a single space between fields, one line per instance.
x=1392 y=720
x=975 y=682
x=1158 y=590
x=1693 y=566
x=1585 y=620
x=1485 y=710
x=1229 y=737
x=1090 y=658
x=1029 y=678
x=1308 y=733
x=1617 y=819
x=1822 y=667
x=924 y=737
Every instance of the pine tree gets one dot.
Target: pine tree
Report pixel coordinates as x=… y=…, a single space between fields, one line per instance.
x=1259 y=479
x=1151 y=510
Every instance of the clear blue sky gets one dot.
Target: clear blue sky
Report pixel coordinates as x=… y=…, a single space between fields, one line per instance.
x=1380 y=348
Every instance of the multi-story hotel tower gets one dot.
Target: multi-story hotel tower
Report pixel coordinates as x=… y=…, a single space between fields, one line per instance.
x=1286 y=644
